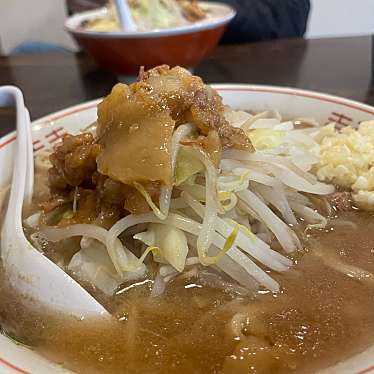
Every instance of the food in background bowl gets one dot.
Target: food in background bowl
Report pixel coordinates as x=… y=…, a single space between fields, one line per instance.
x=124 y=52
x=205 y=232
x=151 y=15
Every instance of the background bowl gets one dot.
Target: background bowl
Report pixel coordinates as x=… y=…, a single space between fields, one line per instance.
x=290 y=103
x=124 y=52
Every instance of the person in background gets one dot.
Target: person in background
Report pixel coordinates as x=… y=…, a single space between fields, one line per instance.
x=76 y=6
x=266 y=19
x=255 y=20
x=33 y=27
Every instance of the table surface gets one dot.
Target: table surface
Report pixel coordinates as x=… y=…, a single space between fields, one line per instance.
x=340 y=66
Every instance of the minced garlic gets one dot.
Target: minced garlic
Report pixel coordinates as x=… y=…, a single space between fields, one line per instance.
x=347 y=159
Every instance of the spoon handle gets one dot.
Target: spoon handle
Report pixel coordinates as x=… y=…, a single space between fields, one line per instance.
x=124 y=15
x=10 y=95
x=29 y=185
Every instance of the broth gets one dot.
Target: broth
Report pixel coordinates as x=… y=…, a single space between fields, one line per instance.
x=320 y=317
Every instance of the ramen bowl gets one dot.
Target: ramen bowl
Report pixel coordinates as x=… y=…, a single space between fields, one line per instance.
x=292 y=103
x=124 y=52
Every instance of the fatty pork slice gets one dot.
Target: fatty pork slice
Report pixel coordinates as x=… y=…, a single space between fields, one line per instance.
x=135 y=139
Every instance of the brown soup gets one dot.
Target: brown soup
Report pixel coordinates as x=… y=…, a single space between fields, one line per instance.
x=320 y=317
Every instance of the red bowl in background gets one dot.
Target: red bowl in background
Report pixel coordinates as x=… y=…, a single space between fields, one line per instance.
x=124 y=52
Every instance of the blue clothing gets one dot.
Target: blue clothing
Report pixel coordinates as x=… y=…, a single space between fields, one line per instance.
x=31 y=47
x=266 y=19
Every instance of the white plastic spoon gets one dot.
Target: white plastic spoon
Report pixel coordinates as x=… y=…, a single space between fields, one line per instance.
x=124 y=15
x=32 y=274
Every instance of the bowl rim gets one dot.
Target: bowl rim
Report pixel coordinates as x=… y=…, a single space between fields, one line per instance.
x=357 y=363
x=220 y=87
x=73 y=22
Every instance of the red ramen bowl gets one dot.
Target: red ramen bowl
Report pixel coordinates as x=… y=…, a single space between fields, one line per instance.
x=124 y=52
